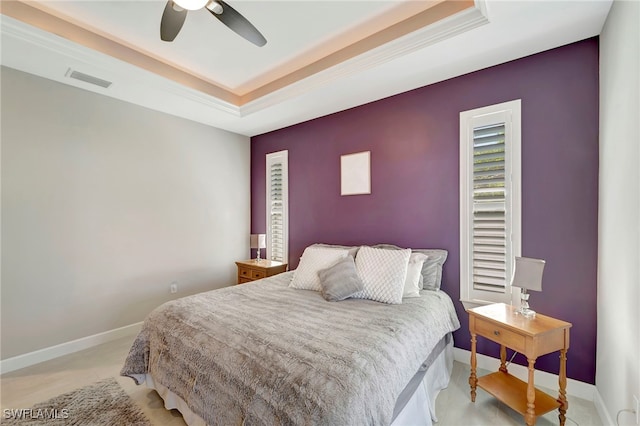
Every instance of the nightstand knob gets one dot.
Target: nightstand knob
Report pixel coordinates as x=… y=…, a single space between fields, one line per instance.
x=496 y=332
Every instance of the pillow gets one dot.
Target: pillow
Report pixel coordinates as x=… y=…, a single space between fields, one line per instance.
x=413 y=282
x=383 y=273
x=313 y=260
x=340 y=281
x=353 y=250
x=431 y=268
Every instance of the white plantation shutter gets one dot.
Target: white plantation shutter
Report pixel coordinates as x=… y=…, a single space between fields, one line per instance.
x=276 y=216
x=489 y=201
x=277 y=206
x=489 y=225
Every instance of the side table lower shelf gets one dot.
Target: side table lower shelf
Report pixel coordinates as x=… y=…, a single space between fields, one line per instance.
x=513 y=392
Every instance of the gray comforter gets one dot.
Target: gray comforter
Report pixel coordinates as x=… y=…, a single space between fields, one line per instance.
x=264 y=354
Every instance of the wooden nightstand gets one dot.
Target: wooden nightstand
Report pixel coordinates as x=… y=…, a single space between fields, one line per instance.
x=532 y=337
x=251 y=270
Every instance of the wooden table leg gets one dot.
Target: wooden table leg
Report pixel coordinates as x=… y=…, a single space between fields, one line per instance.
x=562 y=381
x=530 y=416
x=473 y=379
x=503 y=358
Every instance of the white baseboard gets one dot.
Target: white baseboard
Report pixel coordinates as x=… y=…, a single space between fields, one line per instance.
x=41 y=355
x=542 y=378
x=602 y=409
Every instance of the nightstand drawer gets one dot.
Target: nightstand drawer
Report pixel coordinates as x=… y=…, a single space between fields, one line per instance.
x=256 y=275
x=501 y=335
x=245 y=273
x=252 y=270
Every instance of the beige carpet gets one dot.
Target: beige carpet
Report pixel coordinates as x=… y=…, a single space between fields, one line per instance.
x=99 y=404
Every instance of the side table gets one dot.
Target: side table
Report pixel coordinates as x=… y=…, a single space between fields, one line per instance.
x=532 y=337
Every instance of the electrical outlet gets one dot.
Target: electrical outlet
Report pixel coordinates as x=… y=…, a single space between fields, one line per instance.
x=173 y=288
x=637 y=401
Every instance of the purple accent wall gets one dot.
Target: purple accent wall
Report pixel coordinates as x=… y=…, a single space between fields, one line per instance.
x=413 y=139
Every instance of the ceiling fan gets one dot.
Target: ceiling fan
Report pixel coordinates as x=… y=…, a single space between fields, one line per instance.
x=175 y=12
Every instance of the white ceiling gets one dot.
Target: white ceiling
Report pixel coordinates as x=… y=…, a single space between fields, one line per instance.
x=210 y=50
x=298 y=33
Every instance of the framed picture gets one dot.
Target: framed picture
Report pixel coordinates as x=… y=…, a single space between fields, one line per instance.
x=355 y=173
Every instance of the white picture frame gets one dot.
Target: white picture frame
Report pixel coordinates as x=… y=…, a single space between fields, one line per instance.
x=355 y=173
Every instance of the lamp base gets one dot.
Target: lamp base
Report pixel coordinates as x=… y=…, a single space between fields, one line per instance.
x=257 y=259
x=524 y=305
x=526 y=312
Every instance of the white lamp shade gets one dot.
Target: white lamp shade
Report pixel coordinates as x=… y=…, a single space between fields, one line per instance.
x=191 y=4
x=528 y=273
x=258 y=241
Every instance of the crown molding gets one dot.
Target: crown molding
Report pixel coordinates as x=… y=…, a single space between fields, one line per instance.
x=449 y=27
x=116 y=70
x=164 y=94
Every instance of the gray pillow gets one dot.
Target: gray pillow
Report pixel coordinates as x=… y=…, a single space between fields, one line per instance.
x=340 y=281
x=431 y=268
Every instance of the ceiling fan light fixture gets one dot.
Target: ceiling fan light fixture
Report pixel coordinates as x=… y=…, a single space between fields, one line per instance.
x=191 y=4
x=215 y=7
x=175 y=13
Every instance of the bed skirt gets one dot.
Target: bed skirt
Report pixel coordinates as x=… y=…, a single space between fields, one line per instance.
x=418 y=408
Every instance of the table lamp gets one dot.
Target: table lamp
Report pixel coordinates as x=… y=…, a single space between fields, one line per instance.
x=258 y=241
x=527 y=275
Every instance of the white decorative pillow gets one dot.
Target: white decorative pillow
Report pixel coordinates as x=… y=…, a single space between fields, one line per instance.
x=383 y=273
x=314 y=259
x=413 y=282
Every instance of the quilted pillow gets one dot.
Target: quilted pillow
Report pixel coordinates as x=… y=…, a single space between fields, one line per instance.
x=314 y=259
x=383 y=273
x=340 y=281
x=413 y=282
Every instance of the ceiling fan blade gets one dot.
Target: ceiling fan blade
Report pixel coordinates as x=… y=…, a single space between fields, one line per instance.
x=238 y=23
x=172 y=21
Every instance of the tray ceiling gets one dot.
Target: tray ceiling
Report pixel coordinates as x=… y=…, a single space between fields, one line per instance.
x=320 y=57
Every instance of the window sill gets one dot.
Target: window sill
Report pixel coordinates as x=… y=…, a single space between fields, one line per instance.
x=469 y=304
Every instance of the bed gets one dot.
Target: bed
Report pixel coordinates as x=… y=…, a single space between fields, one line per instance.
x=264 y=353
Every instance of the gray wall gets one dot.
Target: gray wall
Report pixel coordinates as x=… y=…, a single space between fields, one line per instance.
x=104 y=204
x=618 y=359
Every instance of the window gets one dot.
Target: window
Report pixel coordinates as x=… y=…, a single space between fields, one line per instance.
x=277 y=197
x=489 y=203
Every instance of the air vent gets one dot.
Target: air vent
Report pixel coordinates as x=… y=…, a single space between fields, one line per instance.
x=88 y=78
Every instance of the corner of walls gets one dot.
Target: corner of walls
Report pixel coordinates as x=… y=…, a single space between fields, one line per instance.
x=618 y=344
x=601 y=408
